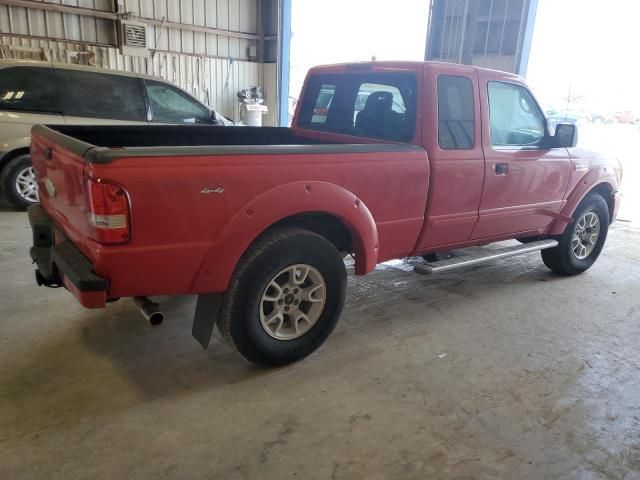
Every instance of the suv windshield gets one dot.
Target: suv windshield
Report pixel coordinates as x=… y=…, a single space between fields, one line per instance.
x=375 y=105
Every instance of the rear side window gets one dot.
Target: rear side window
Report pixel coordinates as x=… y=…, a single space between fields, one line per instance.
x=28 y=89
x=170 y=105
x=374 y=105
x=456 y=126
x=100 y=95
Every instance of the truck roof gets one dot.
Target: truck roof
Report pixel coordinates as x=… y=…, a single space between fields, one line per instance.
x=406 y=65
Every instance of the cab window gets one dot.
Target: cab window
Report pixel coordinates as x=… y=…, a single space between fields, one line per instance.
x=514 y=116
x=456 y=124
x=170 y=105
x=374 y=105
x=28 y=89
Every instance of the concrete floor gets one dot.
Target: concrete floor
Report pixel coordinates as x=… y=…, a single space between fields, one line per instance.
x=500 y=371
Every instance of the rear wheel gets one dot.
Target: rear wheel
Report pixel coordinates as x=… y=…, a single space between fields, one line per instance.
x=582 y=241
x=285 y=297
x=19 y=182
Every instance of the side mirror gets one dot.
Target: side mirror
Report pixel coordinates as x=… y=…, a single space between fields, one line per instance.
x=219 y=119
x=566 y=136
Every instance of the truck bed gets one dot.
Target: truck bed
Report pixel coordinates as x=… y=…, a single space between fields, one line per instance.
x=103 y=144
x=197 y=193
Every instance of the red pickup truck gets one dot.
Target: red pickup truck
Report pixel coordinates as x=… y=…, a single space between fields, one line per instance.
x=383 y=160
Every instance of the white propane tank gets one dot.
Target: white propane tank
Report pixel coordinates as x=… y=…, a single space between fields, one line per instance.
x=251 y=114
x=251 y=107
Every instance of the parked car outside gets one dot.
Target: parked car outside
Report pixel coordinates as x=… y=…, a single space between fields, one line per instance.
x=600 y=117
x=554 y=117
x=34 y=92
x=626 y=117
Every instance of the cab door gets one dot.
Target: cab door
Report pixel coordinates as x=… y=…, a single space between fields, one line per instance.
x=525 y=180
x=452 y=136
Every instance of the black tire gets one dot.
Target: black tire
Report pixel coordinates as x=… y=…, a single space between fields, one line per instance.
x=561 y=259
x=8 y=180
x=239 y=317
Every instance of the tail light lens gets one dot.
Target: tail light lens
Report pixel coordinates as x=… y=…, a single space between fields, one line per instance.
x=108 y=212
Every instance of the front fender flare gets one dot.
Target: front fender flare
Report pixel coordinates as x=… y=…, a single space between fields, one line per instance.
x=277 y=204
x=590 y=181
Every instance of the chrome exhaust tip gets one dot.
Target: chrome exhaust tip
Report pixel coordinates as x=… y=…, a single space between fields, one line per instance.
x=149 y=310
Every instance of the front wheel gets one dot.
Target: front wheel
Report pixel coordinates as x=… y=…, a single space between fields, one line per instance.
x=582 y=241
x=285 y=297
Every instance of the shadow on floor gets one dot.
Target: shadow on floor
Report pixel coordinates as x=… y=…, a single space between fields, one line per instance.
x=98 y=362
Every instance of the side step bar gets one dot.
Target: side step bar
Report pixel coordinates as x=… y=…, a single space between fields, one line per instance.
x=476 y=258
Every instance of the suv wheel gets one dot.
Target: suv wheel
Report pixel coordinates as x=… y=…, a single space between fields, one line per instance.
x=19 y=182
x=285 y=297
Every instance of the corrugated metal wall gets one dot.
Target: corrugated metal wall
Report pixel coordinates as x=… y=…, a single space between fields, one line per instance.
x=201 y=45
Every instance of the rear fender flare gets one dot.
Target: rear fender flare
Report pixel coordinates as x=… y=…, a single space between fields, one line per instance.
x=277 y=204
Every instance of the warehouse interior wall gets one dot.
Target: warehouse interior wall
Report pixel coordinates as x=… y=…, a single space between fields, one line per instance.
x=210 y=48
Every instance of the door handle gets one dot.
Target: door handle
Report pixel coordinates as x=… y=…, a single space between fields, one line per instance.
x=501 y=168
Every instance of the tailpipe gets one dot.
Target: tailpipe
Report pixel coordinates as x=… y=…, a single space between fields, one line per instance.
x=149 y=310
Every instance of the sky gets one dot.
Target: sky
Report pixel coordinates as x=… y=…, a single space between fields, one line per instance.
x=334 y=31
x=588 y=46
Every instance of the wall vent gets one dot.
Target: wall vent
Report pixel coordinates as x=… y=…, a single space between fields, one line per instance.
x=133 y=39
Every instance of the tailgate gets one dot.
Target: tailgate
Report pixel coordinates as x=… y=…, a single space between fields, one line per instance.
x=59 y=165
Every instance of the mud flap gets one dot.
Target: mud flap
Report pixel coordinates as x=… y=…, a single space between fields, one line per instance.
x=204 y=320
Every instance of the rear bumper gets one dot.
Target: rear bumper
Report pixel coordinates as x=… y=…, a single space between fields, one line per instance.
x=60 y=263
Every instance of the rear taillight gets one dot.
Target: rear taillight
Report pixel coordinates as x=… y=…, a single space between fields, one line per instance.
x=108 y=212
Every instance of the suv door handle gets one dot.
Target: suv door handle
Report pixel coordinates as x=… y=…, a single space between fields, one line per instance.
x=501 y=168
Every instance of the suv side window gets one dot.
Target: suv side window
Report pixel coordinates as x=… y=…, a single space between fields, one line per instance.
x=515 y=119
x=29 y=89
x=456 y=124
x=170 y=105
x=101 y=95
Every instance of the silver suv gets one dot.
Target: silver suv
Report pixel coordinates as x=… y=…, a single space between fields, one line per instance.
x=33 y=92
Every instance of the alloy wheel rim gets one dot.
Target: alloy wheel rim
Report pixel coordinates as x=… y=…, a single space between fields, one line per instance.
x=27 y=185
x=585 y=235
x=292 y=302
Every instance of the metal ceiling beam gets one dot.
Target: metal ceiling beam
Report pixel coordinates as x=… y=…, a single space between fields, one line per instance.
x=196 y=28
x=89 y=12
x=56 y=7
